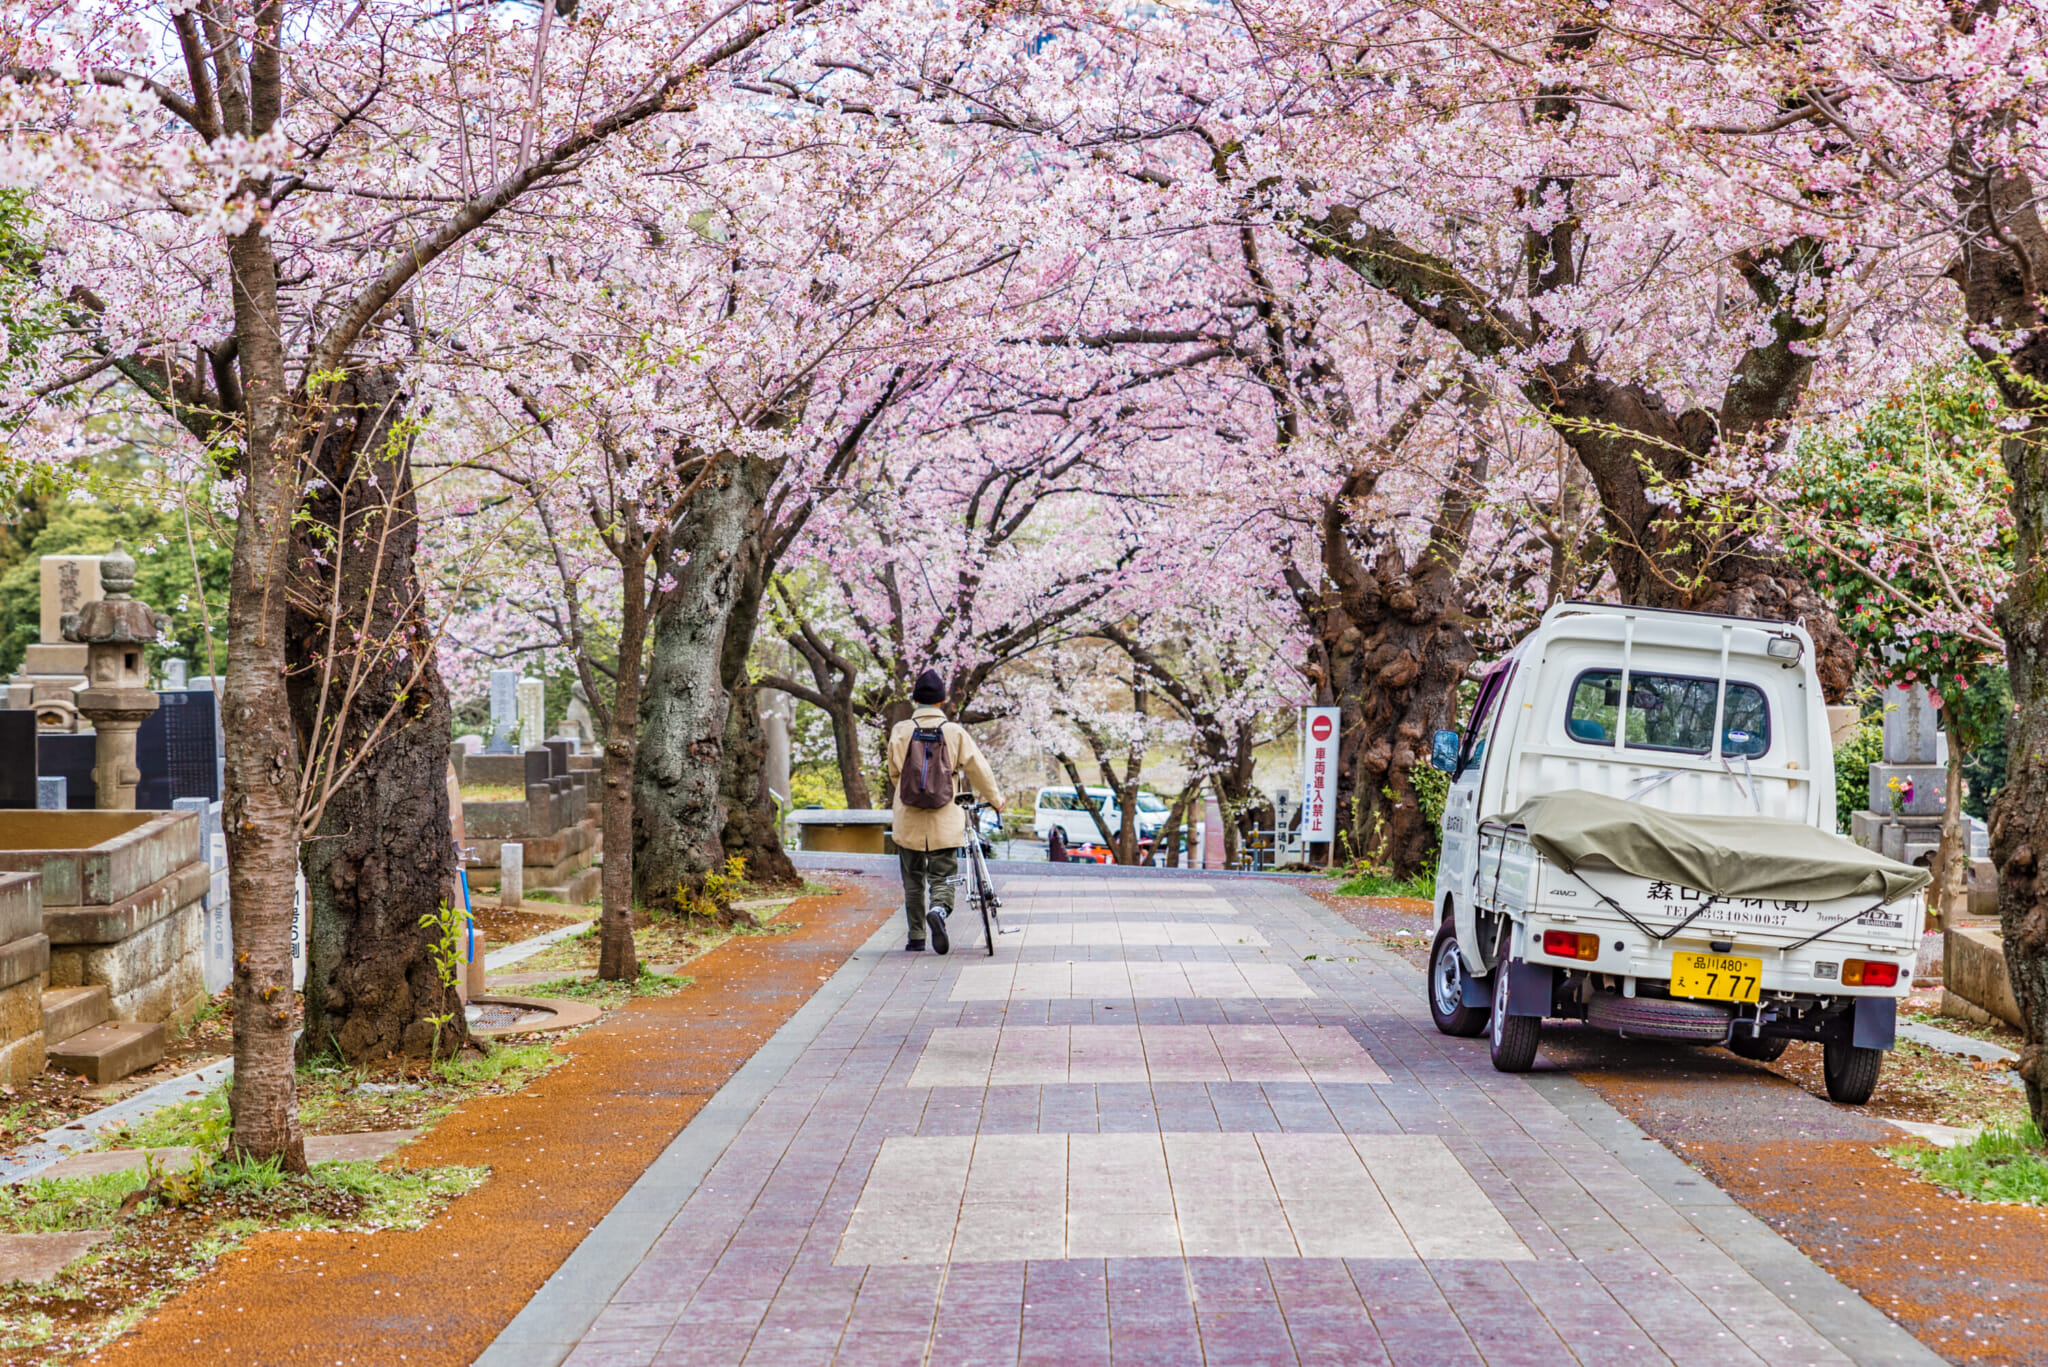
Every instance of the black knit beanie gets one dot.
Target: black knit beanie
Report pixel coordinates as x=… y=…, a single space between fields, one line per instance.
x=930 y=689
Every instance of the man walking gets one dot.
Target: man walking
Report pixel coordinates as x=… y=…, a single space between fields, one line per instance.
x=930 y=827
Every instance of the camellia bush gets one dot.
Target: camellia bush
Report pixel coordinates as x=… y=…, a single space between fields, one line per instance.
x=1901 y=518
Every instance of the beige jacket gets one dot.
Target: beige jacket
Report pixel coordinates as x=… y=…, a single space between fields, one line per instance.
x=946 y=829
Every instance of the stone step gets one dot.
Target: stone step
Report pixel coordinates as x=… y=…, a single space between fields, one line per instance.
x=108 y=1053
x=70 y=1011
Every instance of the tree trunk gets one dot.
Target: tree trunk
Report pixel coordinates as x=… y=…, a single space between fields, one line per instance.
x=260 y=814
x=678 y=806
x=1408 y=686
x=1176 y=818
x=2001 y=268
x=618 y=958
x=364 y=689
x=751 y=832
x=750 y=829
x=1952 y=858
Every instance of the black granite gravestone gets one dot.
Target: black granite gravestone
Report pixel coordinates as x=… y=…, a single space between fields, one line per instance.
x=59 y=754
x=17 y=758
x=175 y=750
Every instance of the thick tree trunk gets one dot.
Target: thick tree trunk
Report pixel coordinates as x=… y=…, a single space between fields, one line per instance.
x=750 y=814
x=260 y=814
x=364 y=690
x=2003 y=271
x=678 y=807
x=749 y=831
x=1407 y=682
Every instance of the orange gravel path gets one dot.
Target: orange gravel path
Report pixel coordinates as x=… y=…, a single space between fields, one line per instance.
x=562 y=1153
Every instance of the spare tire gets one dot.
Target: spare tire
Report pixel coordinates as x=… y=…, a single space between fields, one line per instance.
x=1660 y=1018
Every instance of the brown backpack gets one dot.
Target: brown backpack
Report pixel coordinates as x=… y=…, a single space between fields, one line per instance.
x=927 y=781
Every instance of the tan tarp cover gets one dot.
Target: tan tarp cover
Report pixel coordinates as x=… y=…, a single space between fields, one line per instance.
x=1729 y=856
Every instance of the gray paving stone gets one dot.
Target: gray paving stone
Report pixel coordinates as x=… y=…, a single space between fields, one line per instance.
x=917 y=1172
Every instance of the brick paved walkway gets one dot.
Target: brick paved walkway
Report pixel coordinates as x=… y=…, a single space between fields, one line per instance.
x=1171 y=1122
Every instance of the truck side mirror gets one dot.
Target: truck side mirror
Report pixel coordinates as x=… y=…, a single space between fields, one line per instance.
x=1443 y=751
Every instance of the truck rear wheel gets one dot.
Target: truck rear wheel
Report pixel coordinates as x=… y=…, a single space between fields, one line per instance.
x=1447 y=988
x=1850 y=1072
x=1513 y=1039
x=1760 y=1049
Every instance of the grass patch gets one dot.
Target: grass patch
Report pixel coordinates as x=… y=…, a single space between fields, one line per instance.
x=1380 y=883
x=541 y=895
x=610 y=995
x=179 y=1225
x=665 y=939
x=2007 y=1162
x=201 y=1121
x=493 y=792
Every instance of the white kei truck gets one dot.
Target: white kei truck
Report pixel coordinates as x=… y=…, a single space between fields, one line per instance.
x=1640 y=834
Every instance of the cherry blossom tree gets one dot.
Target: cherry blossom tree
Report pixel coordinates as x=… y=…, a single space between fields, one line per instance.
x=259 y=215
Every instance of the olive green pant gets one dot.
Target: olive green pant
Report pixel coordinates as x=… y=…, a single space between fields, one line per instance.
x=926 y=875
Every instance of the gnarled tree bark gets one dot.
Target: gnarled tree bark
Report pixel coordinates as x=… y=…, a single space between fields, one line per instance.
x=678 y=781
x=373 y=720
x=2002 y=268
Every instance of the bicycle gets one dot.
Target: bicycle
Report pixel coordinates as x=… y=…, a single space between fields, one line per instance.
x=981 y=888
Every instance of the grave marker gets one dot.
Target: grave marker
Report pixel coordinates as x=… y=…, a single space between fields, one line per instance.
x=533 y=707
x=504 y=711
x=17 y=758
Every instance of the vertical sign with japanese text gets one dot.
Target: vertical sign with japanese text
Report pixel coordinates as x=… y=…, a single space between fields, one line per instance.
x=1319 y=774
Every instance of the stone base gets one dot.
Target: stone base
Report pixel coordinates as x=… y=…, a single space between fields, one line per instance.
x=568 y=855
x=1973 y=971
x=1930 y=788
x=21 y=1055
x=156 y=974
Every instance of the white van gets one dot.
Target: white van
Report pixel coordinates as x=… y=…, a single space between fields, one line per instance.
x=1062 y=807
x=1640 y=835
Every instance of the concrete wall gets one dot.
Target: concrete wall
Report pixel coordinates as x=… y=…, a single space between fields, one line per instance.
x=24 y=972
x=1973 y=972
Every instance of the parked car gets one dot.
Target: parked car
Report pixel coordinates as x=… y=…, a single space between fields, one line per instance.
x=1640 y=835
x=1064 y=808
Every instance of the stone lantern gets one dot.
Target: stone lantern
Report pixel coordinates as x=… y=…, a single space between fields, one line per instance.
x=116 y=698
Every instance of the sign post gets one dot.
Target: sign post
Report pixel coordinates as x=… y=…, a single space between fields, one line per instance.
x=1319 y=778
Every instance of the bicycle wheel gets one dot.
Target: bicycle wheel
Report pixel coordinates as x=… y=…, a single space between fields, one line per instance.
x=984 y=898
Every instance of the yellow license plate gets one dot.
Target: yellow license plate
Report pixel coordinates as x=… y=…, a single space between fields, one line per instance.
x=1718 y=977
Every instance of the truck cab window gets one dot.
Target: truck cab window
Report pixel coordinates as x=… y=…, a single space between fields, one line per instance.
x=1473 y=747
x=1668 y=712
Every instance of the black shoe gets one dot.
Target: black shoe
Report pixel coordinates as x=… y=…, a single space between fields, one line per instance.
x=914 y=947
x=936 y=919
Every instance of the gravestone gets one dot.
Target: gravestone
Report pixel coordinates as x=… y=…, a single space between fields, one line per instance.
x=504 y=711
x=533 y=713
x=69 y=583
x=60 y=754
x=578 y=721
x=175 y=677
x=50 y=796
x=17 y=758
x=511 y=873
x=178 y=750
x=217 y=956
x=1913 y=778
x=558 y=756
x=53 y=669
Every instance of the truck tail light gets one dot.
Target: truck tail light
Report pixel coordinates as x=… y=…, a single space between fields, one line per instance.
x=1568 y=944
x=1868 y=973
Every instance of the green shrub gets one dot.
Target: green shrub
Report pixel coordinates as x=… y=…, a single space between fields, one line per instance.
x=2004 y=1163
x=1859 y=750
